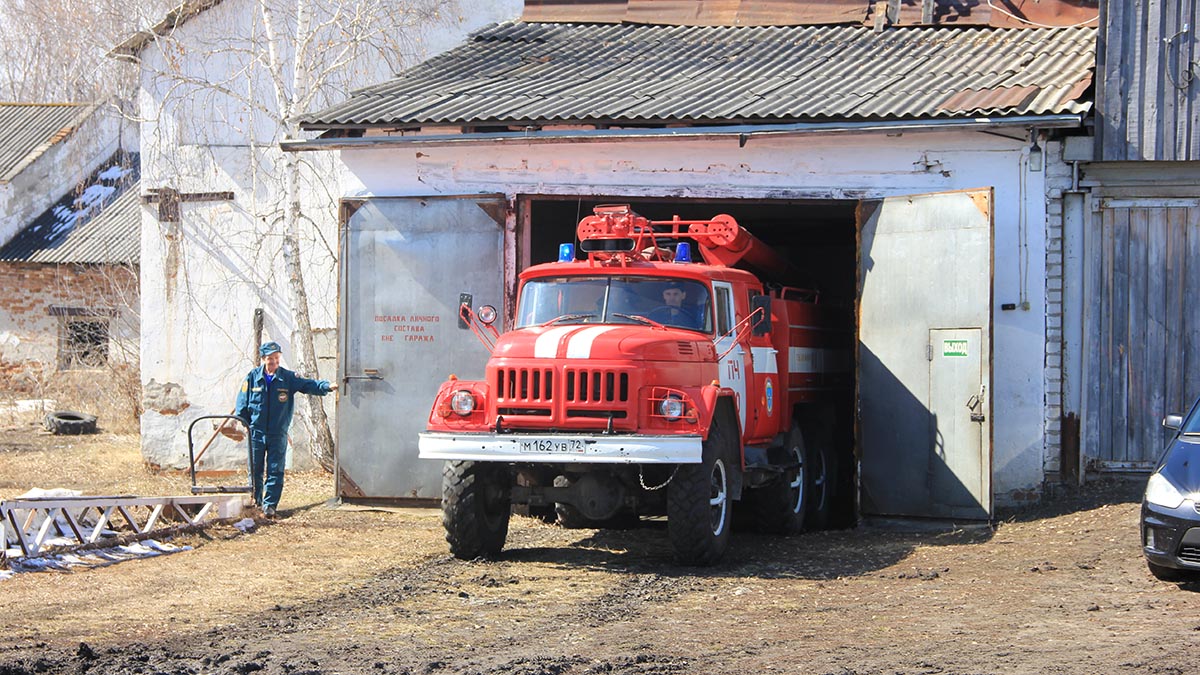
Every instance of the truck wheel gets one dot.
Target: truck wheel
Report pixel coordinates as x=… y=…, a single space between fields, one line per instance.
x=819 y=473
x=476 y=505
x=781 y=507
x=698 y=504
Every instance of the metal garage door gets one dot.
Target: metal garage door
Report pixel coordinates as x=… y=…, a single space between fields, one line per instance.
x=924 y=355
x=404 y=263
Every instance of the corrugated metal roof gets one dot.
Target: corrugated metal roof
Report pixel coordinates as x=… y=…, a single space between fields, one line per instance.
x=996 y=13
x=29 y=129
x=537 y=73
x=131 y=47
x=99 y=222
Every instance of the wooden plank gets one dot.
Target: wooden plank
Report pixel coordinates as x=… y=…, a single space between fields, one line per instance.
x=1191 y=53
x=1174 y=281
x=1155 y=369
x=1150 y=99
x=1173 y=97
x=1108 y=359
x=1119 y=383
x=1111 y=84
x=1093 y=339
x=1191 y=319
x=1133 y=80
x=1137 y=261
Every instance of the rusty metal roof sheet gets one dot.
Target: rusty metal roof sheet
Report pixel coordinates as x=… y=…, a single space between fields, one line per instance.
x=520 y=73
x=27 y=130
x=99 y=222
x=995 y=13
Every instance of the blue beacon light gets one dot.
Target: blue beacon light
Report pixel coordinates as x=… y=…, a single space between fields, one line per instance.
x=566 y=253
x=683 y=252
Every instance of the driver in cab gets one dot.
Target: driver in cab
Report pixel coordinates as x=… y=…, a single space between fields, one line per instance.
x=673 y=312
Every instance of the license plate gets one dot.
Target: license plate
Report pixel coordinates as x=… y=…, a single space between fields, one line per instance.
x=556 y=445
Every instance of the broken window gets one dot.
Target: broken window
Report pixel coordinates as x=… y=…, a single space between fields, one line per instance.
x=83 y=344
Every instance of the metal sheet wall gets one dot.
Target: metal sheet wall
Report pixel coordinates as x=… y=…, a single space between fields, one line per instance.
x=1148 y=59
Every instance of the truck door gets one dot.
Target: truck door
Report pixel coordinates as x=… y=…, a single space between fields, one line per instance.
x=735 y=366
x=404 y=263
x=924 y=355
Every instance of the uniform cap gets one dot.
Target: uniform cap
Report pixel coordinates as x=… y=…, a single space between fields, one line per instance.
x=269 y=348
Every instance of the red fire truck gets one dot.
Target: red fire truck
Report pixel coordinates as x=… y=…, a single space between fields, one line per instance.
x=639 y=382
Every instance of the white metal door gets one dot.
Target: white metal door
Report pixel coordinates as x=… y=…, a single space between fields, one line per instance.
x=925 y=263
x=404 y=263
x=957 y=413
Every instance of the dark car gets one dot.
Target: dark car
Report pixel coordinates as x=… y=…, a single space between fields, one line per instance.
x=1171 y=505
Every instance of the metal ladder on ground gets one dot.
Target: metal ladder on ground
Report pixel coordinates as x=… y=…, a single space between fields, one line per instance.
x=41 y=525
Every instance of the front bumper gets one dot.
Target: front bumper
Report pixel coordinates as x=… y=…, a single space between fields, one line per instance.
x=561 y=448
x=1171 y=537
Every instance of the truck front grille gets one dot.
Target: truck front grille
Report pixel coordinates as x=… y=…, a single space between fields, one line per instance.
x=596 y=386
x=595 y=396
x=528 y=385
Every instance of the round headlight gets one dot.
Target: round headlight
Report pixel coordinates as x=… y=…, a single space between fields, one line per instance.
x=671 y=407
x=1159 y=491
x=486 y=314
x=463 y=402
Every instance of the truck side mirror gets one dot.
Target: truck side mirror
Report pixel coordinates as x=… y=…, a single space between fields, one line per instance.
x=1173 y=422
x=464 y=310
x=762 y=320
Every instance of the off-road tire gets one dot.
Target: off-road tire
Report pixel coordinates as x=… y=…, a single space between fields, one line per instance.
x=781 y=507
x=476 y=504
x=70 y=423
x=699 y=508
x=820 y=473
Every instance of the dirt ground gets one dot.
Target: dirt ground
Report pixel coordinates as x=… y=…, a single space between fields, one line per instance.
x=1057 y=589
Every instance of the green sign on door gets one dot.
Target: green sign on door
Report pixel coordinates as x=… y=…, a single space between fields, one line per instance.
x=954 y=348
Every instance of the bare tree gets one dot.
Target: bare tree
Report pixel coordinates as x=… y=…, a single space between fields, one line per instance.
x=246 y=87
x=55 y=51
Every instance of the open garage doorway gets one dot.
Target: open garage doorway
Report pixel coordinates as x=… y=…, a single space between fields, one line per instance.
x=817 y=236
x=912 y=275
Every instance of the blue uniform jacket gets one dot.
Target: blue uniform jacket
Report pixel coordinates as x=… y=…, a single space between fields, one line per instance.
x=268 y=412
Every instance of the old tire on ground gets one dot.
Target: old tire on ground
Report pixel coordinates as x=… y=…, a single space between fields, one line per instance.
x=698 y=504
x=68 y=422
x=476 y=505
x=781 y=506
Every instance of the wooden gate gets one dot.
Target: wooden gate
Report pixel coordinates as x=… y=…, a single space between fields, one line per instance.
x=1141 y=331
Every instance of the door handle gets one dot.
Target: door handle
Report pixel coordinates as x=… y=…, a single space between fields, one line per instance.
x=975 y=405
x=368 y=374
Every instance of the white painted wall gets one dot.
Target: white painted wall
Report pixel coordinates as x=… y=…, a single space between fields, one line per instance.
x=845 y=166
x=203 y=277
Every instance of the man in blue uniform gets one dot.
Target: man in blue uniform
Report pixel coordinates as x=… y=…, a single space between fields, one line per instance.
x=265 y=405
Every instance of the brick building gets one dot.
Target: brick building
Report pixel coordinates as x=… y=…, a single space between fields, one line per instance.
x=69 y=287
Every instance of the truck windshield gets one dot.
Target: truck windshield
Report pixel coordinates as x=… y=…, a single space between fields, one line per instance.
x=679 y=303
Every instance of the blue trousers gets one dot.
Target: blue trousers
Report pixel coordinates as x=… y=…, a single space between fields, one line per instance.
x=267 y=459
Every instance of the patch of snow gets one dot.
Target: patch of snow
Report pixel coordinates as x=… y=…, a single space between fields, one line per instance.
x=66 y=217
x=114 y=173
x=99 y=557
